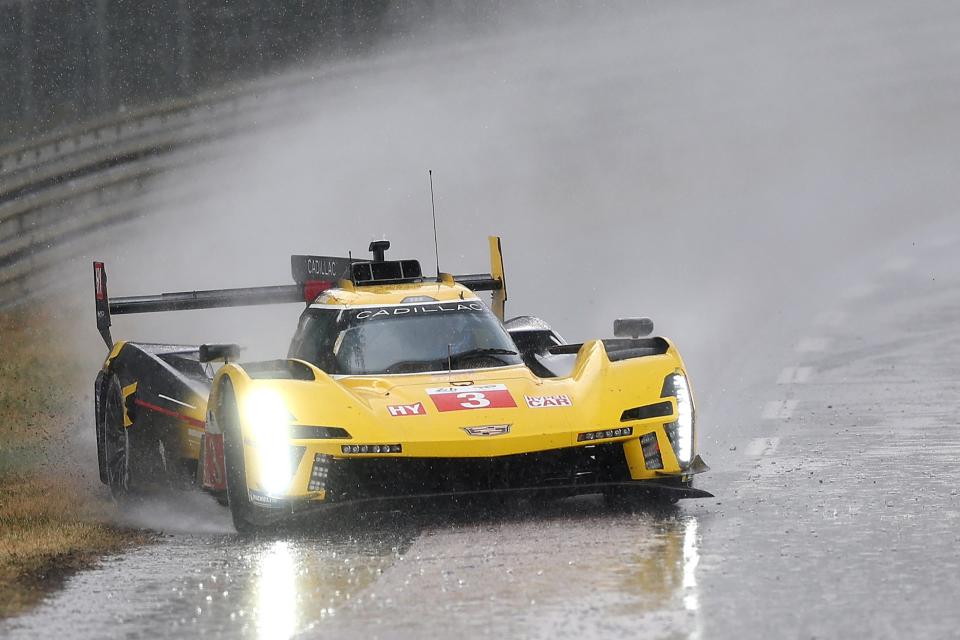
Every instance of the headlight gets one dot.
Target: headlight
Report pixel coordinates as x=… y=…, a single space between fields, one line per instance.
x=681 y=431
x=269 y=421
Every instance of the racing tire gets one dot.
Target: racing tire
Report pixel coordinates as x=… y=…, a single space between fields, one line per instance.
x=115 y=441
x=243 y=512
x=132 y=459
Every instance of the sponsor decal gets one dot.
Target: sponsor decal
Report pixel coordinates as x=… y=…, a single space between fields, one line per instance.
x=322 y=266
x=384 y=312
x=483 y=396
x=416 y=409
x=542 y=402
x=488 y=430
x=213 y=466
x=263 y=499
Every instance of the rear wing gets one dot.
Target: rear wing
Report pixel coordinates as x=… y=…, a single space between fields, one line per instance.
x=312 y=274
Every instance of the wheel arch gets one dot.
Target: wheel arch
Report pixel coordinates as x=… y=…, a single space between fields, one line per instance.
x=232 y=375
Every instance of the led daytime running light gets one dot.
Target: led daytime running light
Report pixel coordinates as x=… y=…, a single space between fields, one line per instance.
x=619 y=432
x=371 y=448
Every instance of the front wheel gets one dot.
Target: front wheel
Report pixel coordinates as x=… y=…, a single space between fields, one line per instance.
x=243 y=512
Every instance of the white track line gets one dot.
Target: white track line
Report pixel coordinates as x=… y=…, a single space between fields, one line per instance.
x=808 y=345
x=762 y=446
x=778 y=409
x=795 y=375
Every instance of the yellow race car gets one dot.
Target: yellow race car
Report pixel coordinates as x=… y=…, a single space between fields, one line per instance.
x=396 y=387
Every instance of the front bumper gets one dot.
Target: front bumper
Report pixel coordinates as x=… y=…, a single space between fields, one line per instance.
x=332 y=481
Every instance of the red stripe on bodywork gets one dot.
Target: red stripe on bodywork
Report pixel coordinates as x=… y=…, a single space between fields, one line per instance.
x=173 y=414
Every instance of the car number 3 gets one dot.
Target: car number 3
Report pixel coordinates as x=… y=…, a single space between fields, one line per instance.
x=473 y=400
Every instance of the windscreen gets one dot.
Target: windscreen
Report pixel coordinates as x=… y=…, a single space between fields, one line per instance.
x=403 y=339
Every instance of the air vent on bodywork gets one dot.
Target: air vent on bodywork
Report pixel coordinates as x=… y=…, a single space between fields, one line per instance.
x=627 y=348
x=319 y=472
x=386 y=272
x=658 y=410
x=279 y=370
x=298 y=432
x=651 y=451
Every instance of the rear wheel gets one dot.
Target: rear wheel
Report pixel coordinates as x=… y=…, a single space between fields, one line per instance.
x=115 y=441
x=244 y=513
x=133 y=456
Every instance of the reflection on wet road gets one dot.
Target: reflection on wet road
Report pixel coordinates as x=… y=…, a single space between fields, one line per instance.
x=276 y=586
x=552 y=568
x=836 y=516
x=565 y=570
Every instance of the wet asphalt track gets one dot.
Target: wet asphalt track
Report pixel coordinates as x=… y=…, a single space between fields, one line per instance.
x=837 y=517
x=817 y=308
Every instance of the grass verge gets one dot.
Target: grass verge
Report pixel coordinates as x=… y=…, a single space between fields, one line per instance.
x=49 y=529
x=53 y=514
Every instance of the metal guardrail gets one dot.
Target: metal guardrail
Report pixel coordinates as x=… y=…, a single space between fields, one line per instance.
x=33 y=164
x=58 y=189
x=61 y=187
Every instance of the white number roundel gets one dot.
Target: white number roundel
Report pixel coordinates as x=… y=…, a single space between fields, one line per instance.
x=474 y=400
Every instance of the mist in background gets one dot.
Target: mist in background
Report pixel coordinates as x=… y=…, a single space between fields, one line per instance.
x=728 y=169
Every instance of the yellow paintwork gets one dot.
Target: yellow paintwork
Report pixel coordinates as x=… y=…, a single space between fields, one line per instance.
x=496 y=270
x=190 y=434
x=346 y=294
x=113 y=353
x=127 y=392
x=600 y=391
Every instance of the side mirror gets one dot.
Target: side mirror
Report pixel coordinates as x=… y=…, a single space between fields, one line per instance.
x=632 y=327
x=225 y=352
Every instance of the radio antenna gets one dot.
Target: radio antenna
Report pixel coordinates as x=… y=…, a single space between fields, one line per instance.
x=433 y=208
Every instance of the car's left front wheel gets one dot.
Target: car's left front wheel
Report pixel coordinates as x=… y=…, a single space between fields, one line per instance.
x=244 y=513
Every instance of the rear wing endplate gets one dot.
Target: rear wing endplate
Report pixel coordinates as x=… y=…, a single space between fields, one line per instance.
x=495 y=281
